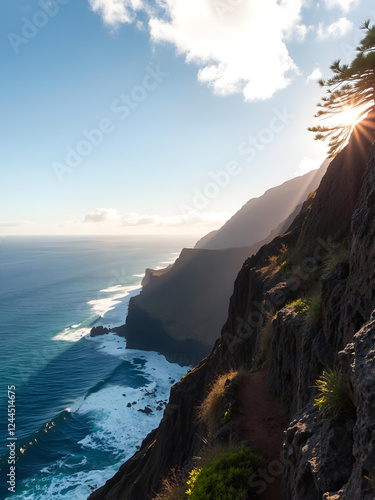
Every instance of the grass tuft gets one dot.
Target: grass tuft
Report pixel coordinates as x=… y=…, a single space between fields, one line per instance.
x=210 y=409
x=311 y=308
x=314 y=314
x=333 y=400
x=339 y=254
x=173 y=487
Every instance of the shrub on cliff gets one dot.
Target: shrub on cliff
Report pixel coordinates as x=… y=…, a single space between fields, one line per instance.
x=173 y=487
x=225 y=477
x=333 y=400
x=210 y=410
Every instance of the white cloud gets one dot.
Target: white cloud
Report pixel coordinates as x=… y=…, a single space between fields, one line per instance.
x=243 y=52
x=192 y=218
x=15 y=223
x=102 y=215
x=301 y=30
x=344 y=5
x=314 y=76
x=307 y=165
x=336 y=29
x=115 y=12
x=110 y=216
x=238 y=46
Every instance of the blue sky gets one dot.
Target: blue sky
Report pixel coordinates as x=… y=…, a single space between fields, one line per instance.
x=135 y=117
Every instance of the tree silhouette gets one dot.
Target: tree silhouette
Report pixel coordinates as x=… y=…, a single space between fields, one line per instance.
x=351 y=87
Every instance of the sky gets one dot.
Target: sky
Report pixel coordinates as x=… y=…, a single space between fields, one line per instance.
x=133 y=117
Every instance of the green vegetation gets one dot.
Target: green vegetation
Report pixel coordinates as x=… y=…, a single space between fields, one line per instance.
x=224 y=477
x=311 y=308
x=210 y=409
x=333 y=400
x=227 y=415
x=351 y=88
x=339 y=254
x=285 y=267
x=301 y=306
x=314 y=315
x=278 y=261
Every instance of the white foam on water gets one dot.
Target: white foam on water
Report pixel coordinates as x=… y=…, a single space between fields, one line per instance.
x=77 y=486
x=72 y=334
x=103 y=305
x=118 y=427
x=106 y=311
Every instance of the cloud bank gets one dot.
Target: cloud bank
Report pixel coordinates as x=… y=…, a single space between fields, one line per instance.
x=110 y=216
x=238 y=46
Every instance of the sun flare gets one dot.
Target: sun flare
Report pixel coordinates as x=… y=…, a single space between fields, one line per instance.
x=349 y=117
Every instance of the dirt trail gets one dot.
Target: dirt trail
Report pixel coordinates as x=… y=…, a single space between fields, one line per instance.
x=262 y=419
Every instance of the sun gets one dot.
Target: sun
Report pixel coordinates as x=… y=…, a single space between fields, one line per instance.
x=349 y=117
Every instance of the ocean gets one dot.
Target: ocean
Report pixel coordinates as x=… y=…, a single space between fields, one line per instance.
x=75 y=415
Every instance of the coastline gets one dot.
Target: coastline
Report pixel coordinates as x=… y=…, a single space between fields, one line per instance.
x=78 y=446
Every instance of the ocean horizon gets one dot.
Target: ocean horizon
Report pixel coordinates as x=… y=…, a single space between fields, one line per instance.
x=76 y=397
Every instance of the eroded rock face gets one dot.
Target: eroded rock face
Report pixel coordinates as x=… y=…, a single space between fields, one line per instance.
x=360 y=295
x=359 y=355
x=317 y=455
x=336 y=460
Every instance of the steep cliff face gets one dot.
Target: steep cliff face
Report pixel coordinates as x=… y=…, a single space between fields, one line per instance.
x=338 y=461
x=247 y=227
x=320 y=457
x=180 y=312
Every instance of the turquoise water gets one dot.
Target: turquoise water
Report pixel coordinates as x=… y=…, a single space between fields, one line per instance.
x=76 y=397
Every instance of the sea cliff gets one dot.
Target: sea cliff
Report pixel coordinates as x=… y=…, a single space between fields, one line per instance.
x=326 y=255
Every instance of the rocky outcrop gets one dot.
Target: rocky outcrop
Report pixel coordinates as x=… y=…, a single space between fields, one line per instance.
x=336 y=460
x=294 y=363
x=98 y=330
x=318 y=456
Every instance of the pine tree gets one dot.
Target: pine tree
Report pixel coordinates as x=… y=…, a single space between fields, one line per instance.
x=351 y=87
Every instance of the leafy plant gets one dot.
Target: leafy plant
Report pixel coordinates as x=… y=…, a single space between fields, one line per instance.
x=333 y=400
x=225 y=477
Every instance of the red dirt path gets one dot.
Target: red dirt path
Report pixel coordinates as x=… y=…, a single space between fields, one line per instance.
x=262 y=419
